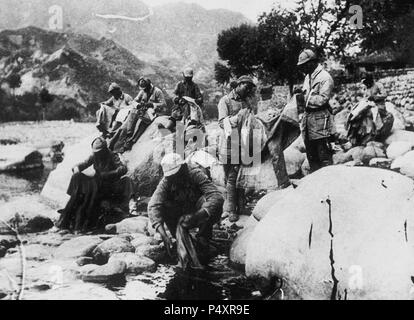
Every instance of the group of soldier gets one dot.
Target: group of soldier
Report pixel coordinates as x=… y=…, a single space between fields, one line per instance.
x=186 y=198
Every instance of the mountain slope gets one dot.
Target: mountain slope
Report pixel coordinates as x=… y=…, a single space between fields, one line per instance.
x=77 y=69
x=172 y=35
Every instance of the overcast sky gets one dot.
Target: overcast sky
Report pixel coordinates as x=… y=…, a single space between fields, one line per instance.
x=250 y=8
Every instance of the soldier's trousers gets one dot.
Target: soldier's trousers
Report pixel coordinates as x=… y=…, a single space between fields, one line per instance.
x=319 y=153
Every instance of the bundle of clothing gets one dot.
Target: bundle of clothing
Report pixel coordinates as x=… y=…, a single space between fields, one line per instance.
x=368 y=122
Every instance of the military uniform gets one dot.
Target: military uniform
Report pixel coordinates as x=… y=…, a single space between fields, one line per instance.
x=317 y=123
x=194 y=191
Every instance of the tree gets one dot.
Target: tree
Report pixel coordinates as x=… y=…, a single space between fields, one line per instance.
x=14 y=80
x=222 y=73
x=279 y=36
x=240 y=47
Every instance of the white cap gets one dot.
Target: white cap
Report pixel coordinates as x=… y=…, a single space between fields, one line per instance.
x=171 y=164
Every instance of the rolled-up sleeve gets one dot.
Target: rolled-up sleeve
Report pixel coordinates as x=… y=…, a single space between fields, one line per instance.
x=214 y=200
x=85 y=164
x=156 y=204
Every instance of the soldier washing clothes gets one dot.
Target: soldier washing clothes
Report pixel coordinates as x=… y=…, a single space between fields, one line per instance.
x=185 y=199
x=187 y=88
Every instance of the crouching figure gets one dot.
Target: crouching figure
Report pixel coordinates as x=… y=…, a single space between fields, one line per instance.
x=101 y=199
x=185 y=199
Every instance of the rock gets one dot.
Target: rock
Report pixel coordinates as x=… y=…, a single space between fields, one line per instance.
x=243 y=219
x=131 y=225
x=138 y=290
x=103 y=274
x=35 y=252
x=83 y=261
x=29 y=213
x=78 y=247
x=399 y=121
x=144 y=240
x=398 y=148
x=405 y=164
x=107 y=248
x=341 y=157
x=305 y=169
x=58 y=180
x=134 y=263
x=383 y=163
x=8 y=241
x=359 y=239
x=356 y=153
x=372 y=151
x=238 y=248
x=299 y=145
x=74 y=291
x=294 y=160
x=401 y=135
x=3 y=251
x=19 y=158
x=154 y=252
x=268 y=201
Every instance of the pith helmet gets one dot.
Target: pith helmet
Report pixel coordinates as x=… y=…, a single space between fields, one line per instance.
x=171 y=164
x=306 y=56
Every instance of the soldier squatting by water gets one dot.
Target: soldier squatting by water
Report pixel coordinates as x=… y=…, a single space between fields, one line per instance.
x=187 y=203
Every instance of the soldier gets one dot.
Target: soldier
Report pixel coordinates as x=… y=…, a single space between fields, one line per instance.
x=107 y=121
x=317 y=122
x=185 y=198
x=230 y=109
x=109 y=185
x=187 y=88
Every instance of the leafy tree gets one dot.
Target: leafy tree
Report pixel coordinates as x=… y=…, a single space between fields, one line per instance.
x=222 y=73
x=14 y=80
x=240 y=47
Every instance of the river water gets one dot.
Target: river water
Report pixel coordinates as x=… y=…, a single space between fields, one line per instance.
x=218 y=282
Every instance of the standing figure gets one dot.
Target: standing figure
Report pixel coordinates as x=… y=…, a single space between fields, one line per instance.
x=317 y=122
x=231 y=109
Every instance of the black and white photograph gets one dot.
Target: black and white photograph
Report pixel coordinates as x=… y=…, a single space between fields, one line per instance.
x=183 y=151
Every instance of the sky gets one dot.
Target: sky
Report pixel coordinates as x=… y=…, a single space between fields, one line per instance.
x=250 y=8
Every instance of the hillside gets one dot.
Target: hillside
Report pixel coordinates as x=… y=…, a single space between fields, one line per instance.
x=77 y=69
x=172 y=35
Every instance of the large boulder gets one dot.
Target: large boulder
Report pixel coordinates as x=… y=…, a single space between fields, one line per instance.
x=27 y=213
x=103 y=274
x=78 y=247
x=399 y=121
x=405 y=164
x=18 y=158
x=398 y=148
x=58 y=180
x=401 y=135
x=344 y=232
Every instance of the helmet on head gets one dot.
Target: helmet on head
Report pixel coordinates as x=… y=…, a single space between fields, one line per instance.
x=188 y=72
x=171 y=164
x=114 y=86
x=99 y=144
x=306 y=56
x=246 y=79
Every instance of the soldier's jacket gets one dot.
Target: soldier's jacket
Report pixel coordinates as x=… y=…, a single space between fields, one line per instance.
x=184 y=89
x=110 y=168
x=121 y=103
x=228 y=108
x=155 y=96
x=317 y=122
x=184 y=196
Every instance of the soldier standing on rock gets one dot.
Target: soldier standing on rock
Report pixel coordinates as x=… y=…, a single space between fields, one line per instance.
x=185 y=199
x=317 y=122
